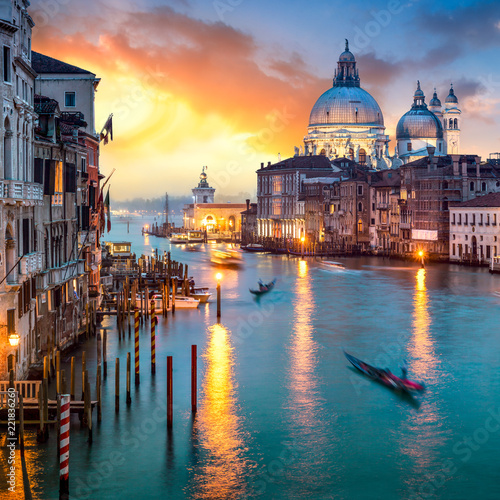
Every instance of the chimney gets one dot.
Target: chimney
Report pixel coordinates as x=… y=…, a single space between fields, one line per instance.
x=478 y=166
x=248 y=204
x=464 y=166
x=268 y=163
x=456 y=167
x=262 y=165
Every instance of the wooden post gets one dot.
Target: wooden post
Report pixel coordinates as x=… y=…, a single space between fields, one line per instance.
x=129 y=399
x=218 y=301
x=12 y=379
x=168 y=291
x=41 y=430
x=88 y=405
x=169 y=392
x=88 y=325
x=64 y=447
x=117 y=385
x=104 y=349
x=21 y=423
x=193 y=377
x=153 y=338
x=72 y=382
x=50 y=364
x=174 y=291
x=137 y=372
x=146 y=302
x=46 y=367
x=98 y=387
x=46 y=406
x=63 y=382
x=98 y=347
x=84 y=367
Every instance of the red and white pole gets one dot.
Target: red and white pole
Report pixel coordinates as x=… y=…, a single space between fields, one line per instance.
x=153 y=337
x=64 y=448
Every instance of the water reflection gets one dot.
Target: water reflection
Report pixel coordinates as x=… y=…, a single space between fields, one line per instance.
x=219 y=426
x=427 y=423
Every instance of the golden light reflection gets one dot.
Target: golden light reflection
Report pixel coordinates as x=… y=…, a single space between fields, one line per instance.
x=303 y=349
x=222 y=473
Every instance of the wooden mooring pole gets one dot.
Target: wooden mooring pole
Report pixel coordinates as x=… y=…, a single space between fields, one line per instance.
x=169 y=392
x=117 y=385
x=194 y=361
x=129 y=399
x=137 y=372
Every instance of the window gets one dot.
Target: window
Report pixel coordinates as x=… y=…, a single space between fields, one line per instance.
x=360 y=207
x=360 y=226
x=84 y=165
x=408 y=147
x=57 y=197
x=453 y=248
x=6 y=64
x=483 y=186
x=360 y=190
x=70 y=99
x=453 y=219
x=362 y=156
x=466 y=219
x=472 y=186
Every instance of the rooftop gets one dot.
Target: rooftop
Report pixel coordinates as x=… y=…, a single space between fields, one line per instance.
x=488 y=200
x=45 y=64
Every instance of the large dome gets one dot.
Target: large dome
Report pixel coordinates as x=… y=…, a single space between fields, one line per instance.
x=419 y=124
x=346 y=106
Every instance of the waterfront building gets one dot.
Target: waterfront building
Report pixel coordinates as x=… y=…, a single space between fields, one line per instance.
x=316 y=205
x=475 y=229
x=74 y=90
x=346 y=121
x=205 y=215
x=249 y=223
x=21 y=194
x=279 y=187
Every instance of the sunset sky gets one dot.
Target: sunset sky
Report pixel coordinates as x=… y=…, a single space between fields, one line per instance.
x=230 y=83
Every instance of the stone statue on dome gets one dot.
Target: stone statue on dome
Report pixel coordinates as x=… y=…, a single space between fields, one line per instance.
x=295 y=151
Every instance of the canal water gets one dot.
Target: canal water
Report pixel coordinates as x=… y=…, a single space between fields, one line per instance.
x=281 y=414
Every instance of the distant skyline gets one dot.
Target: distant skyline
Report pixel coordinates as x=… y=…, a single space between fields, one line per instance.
x=230 y=83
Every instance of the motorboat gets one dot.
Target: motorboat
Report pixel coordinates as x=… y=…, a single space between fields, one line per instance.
x=253 y=247
x=179 y=239
x=195 y=237
x=226 y=258
x=330 y=264
x=202 y=294
x=185 y=302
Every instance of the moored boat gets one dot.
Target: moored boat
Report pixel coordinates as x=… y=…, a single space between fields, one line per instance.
x=202 y=294
x=179 y=239
x=253 y=247
x=384 y=377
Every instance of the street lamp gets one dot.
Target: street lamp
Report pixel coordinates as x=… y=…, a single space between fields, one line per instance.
x=14 y=339
x=219 y=277
x=302 y=239
x=421 y=255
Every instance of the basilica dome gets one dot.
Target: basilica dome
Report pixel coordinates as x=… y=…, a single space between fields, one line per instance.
x=346 y=103
x=419 y=122
x=346 y=106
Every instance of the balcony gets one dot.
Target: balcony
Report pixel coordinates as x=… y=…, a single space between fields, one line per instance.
x=20 y=190
x=382 y=205
x=405 y=225
x=31 y=263
x=66 y=272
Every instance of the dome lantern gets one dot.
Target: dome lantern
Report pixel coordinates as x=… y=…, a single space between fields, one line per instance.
x=452 y=98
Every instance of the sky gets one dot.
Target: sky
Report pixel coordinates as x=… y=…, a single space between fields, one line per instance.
x=229 y=84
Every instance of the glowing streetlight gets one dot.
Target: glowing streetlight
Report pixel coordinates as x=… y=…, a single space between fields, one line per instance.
x=14 y=339
x=302 y=239
x=421 y=255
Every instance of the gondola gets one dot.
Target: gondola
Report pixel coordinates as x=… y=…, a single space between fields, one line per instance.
x=264 y=287
x=385 y=377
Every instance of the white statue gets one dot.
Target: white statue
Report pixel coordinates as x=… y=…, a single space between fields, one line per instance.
x=295 y=151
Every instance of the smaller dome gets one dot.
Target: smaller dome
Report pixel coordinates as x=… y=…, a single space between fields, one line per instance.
x=452 y=98
x=419 y=92
x=347 y=55
x=435 y=101
x=419 y=124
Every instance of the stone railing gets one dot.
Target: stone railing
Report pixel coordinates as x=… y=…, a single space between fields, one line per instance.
x=20 y=190
x=31 y=263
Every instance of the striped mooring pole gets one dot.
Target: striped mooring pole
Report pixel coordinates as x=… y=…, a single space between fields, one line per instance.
x=153 y=338
x=64 y=448
x=137 y=379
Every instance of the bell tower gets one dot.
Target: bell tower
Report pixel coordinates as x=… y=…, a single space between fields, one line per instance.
x=451 y=123
x=203 y=193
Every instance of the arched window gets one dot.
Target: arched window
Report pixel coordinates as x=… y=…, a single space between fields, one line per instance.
x=7 y=150
x=10 y=254
x=455 y=123
x=445 y=184
x=360 y=207
x=445 y=204
x=444 y=123
x=360 y=226
x=323 y=152
x=451 y=123
x=362 y=156
x=351 y=154
x=472 y=186
x=232 y=223
x=483 y=186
